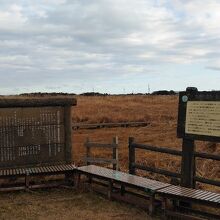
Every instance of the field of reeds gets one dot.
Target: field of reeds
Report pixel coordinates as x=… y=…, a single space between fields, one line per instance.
x=161 y=113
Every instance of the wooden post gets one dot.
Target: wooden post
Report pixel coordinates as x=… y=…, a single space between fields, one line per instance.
x=68 y=133
x=122 y=190
x=152 y=205
x=69 y=178
x=115 y=153
x=27 y=180
x=87 y=150
x=110 y=187
x=131 y=155
x=77 y=178
x=188 y=163
x=164 y=207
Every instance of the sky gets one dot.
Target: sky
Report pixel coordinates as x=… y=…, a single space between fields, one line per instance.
x=109 y=46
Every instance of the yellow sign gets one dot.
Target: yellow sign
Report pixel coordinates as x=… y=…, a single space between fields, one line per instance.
x=203 y=118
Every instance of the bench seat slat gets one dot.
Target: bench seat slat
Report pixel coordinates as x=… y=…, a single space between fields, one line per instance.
x=159 y=187
x=49 y=169
x=126 y=178
x=36 y=170
x=191 y=193
x=213 y=197
x=53 y=169
x=56 y=168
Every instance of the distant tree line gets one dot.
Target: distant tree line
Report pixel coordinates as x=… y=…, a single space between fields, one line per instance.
x=42 y=94
x=164 y=92
x=94 y=94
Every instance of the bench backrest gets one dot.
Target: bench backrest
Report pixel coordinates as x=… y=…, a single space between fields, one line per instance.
x=35 y=131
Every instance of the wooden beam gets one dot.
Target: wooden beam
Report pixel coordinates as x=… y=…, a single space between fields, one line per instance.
x=36 y=102
x=131 y=155
x=115 y=153
x=188 y=163
x=91 y=144
x=101 y=160
x=68 y=133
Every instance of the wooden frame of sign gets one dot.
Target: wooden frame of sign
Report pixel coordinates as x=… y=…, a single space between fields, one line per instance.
x=199 y=115
x=35 y=131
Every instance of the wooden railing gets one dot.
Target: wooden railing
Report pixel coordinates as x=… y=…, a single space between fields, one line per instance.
x=133 y=165
x=110 y=146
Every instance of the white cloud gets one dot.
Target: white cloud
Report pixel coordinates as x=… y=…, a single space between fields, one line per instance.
x=90 y=39
x=12 y=17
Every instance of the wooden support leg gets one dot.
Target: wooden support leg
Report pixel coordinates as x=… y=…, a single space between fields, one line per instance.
x=122 y=190
x=69 y=178
x=77 y=179
x=164 y=208
x=27 y=181
x=110 y=186
x=152 y=205
x=90 y=180
x=89 y=183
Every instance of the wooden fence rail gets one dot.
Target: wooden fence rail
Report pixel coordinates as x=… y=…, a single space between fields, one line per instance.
x=114 y=146
x=133 y=165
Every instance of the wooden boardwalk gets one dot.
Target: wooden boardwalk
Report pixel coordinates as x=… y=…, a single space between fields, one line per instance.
x=108 y=125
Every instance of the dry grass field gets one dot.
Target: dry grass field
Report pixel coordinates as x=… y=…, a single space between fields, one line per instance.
x=57 y=204
x=159 y=111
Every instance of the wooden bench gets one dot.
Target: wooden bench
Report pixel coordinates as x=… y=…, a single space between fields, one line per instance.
x=35 y=139
x=189 y=196
x=154 y=189
x=124 y=179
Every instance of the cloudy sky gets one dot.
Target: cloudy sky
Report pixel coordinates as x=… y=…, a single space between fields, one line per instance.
x=111 y=46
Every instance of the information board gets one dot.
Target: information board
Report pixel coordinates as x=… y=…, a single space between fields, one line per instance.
x=35 y=131
x=203 y=118
x=199 y=115
x=31 y=135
